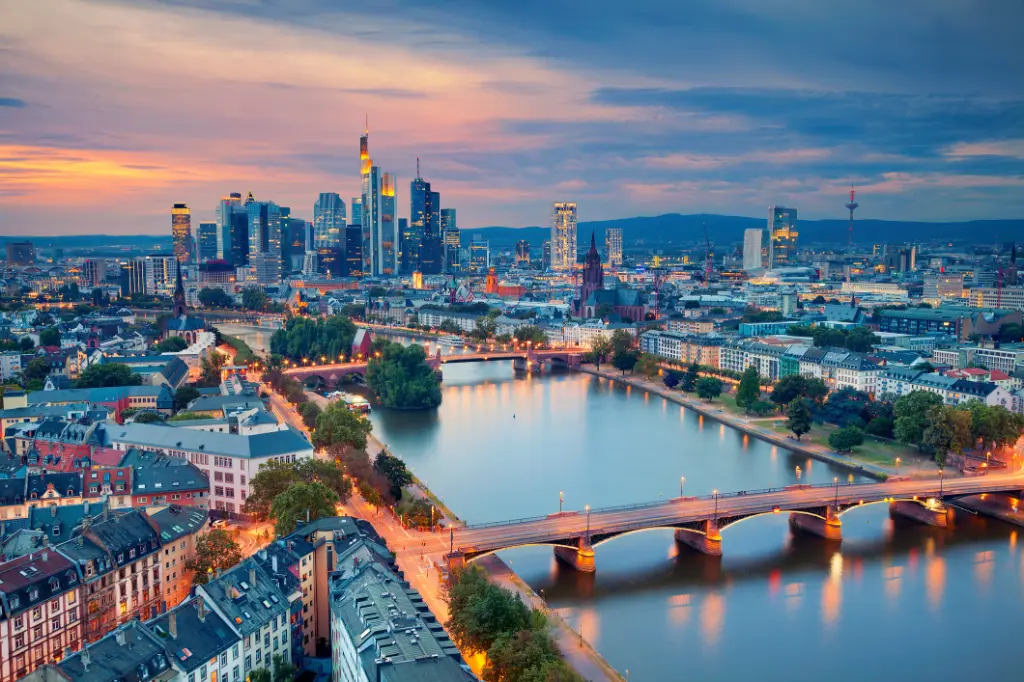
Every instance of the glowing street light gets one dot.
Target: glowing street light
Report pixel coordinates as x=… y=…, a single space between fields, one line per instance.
x=588 y=522
x=715 y=493
x=836 y=481
x=682 y=482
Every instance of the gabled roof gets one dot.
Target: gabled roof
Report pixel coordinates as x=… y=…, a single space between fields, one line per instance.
x=176 y=522
x=248 y=596
x=197 y=640
x=129 y=654
x=272 y=443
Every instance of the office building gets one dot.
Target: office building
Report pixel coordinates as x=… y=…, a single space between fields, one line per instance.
x=353 y=250
x=357 y=211
x=21 y=253
x=546 y=255
x=161 y=274
x=328 y=221
x=563 y=237
x=782 y=235
x=133 y=277
x=408 y=249
x=379 y=216
x=522 y=252
x=330 y=261
x=752 y=238
x=943 y=285
x=451 y=239
x=293 y=247
x=94 y=273
x=479 y=254
x=181 y=232
x=265 y=240
x=613 y=247
x=206 y=244
x=226 y=209
x=424 y=229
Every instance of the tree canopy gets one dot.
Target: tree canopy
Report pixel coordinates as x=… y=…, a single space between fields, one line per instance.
x=172 y=344
x=274 y=478
x=911 y=413
x=103 y=375
x=799 y=417
x=49 y=336
x=846 y=438
x=401 y=378
x=214 y=550
x=340 y=427
x=314 y=338
x=709 y=388
x=749 y=390
x=215 y=297
x=301 y=502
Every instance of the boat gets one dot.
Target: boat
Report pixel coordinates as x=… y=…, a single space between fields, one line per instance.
x=356 y=403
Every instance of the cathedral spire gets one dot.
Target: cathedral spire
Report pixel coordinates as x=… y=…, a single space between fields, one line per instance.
x=179 y=296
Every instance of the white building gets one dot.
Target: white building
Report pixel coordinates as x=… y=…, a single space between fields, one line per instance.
x=10 y=364
x=563 y=237
x=752 y=259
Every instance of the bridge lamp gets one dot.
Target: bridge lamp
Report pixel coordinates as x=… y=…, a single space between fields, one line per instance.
x=836 y=481
x=587 y=508
x=682 y=482
x=715 y=493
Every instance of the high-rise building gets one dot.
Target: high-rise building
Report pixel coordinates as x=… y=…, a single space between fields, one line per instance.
x=181 y=232
x=479 y=254
x=293 y=242
x=782 y=234
x=94 y=272
x=408 y=248
x=752 y=248
x=226 y=209
x=328 y=221
x=238 y=237
x=354 y=250
x=545 y=260
x=379 y=216
x=419 y=216
x=563 y=237
x=161 y=273
x=452 y=240
x=613 y=247
x=357 y=211
x=522 y=252
x=133 y=277
x=206 y=244
x=265 y=238
x=21 y=253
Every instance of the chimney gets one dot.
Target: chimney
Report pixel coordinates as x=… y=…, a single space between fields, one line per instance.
x=273 y=563
x=86 y=658
x=53 y=511
x=252 y=576
x=45 y=555
x=119 y=637
x=85 y=507
x=172 y=625
x=201 y=609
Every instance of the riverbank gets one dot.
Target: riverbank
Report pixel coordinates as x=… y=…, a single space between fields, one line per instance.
x=743 y=425
x=997 y=506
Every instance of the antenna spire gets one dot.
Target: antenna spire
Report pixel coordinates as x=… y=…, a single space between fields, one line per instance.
x=367 y=124
x=417 y=168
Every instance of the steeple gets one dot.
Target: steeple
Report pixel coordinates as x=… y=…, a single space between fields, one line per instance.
x=179 y=297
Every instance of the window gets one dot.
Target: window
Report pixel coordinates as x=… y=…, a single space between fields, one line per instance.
x=259 y=656
x=218 y=476
x=55 y=625
x=224 y=660
x=229 y=478
x=248 y=663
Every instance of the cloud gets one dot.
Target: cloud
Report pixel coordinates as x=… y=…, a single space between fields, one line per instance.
x=13 y=102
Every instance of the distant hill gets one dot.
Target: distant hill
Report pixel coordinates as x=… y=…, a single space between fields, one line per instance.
x=674 y=228
x=134 y=242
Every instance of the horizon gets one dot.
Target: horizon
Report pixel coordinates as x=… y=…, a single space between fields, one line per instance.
x=120 y=109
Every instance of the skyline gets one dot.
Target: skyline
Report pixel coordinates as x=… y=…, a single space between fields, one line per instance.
x=115 y=113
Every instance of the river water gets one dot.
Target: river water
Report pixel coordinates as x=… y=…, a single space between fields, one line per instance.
x=895 y=599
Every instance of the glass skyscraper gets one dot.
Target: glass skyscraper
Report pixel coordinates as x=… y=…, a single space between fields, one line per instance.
x=328 y=221
x=379 y=216
x=782 y=234
x=181 y=232
x=452 y=240
x=613 y=246
x=563 y=237
x=207 y=242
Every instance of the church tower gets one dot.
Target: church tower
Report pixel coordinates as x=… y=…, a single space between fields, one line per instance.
x=179 y=297
x=593 y=273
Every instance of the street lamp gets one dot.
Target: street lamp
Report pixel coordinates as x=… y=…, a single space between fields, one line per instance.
x=561 y=499
x=941 y=470
x=715 y=493
x=898 y=460
x=682 y=480
x=588 y=522
x=836 y=481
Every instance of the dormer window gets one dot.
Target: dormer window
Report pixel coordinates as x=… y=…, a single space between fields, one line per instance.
x=120 y=558
x=54 y=584
x=33 y=594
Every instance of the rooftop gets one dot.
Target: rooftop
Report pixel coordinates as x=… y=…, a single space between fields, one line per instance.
x=158 y=436
x=129 y=654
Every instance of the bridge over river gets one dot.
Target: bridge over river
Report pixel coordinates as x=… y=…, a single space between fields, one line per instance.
x=698 y=521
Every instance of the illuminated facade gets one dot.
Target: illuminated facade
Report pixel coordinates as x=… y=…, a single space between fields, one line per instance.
x=378 y=216
x=264 y=218
x=206 y=243
x=328 y=221
x=563 y=237
x=782 y=234
x=181 y=232
x=613 y=246
x=522 y=252
x=226 y=208
x=452 y=240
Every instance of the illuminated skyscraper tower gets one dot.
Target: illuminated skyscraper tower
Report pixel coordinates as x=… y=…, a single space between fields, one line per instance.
x=853 y=207
x=563 y=237
x=379 y=215
x=782 y=234
x=181 y=232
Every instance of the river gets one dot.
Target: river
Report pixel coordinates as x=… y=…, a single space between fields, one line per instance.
x=895 y=599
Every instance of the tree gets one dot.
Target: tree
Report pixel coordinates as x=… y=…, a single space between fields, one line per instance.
x=480 y=612
x=49 y=337
x=788 y=389
x=254 y=298
x=911 y=416
x=283 y=669
x=799 y=417
x=172 y=344
x=310 y=412
x=214 y=550
x=845 y=406
x=709 y=388
x=113 y=374
x=274 y=478
x=621 y=340
x=761 y=407
x=302 y=502
x=948 y=429
x=749 y=390
x=215 y=297
x=519 y=655
x=881 y=427
x=37 y=369
x=688 y=382
x=647 y=365
x=861 y=340
x=394 y=470
x=401 y=378
x=370 y=494
x=149 y=417
x=340 y=426
x=260 y=675
x=672 y=378
x=485 y=329
x=846 y=438
x=601 y=349
x=531 y=333
x=210 y=370
x=183 y=396
x=925 y=367
x=815 y=390
x=624 y=359
x=307 y=337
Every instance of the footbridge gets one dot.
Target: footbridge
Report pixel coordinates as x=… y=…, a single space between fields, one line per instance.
x=699 y=521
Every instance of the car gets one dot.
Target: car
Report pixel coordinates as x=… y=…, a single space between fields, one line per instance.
x=220 y=523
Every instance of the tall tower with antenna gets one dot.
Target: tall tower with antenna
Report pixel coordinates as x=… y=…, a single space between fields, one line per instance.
x=853 y=207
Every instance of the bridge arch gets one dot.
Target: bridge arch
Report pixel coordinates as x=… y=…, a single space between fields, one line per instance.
x=844 y=508
x=472 y=556
x=735 y=521
x=634 y=531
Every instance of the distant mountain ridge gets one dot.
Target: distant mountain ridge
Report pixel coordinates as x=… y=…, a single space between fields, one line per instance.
x=675 y=228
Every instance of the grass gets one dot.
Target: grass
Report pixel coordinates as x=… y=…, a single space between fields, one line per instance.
x=243 y=354
x=873 y=451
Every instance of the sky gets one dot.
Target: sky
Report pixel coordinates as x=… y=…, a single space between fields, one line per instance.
x=111 y=111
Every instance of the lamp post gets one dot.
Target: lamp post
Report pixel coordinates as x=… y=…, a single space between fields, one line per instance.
x=715 y=493
x=682 y=481
x=941 y=470
x=561 y=500
x=588 y=522
x=836 y=481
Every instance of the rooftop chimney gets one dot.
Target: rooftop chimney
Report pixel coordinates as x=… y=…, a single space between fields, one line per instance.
x=252 y=576
x=86 y=658
x=119 y=637
x=53 y=511
x=201 y=609
x=172 y=625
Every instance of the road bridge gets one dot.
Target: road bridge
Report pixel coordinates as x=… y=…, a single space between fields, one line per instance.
x=699 y=521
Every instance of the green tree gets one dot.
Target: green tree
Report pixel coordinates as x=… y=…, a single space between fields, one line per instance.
x=531 y=333
x=394 y=470
x=254 y=298
x=761 y=407
x=787 y=389
x=948 y=430
x=600 y=350
x=621 y=340
x=300 y=502
x=881 y=427
x=172 y=344
x=485 y=329
x=526 y=654
x=36 y=370
x=149 y=417
x=845 y=407
x=283 y=669
x=49 y=337
x=688 y=382
x=846 y=438
x=370 y=494
x=647 y=365
x=749 y=390
x=799 y=417
x=310 y=412
x=113 y=374
x=815 y=390
x=401 y=378
x=341 y=428
x=672 y=378
x=274 y=478
x=215 y=297
x=624 y=359
x=861 y=340
x=480 y=612
x=911 y=416
x=260 y=675
x=183 y=396
x=709 y=388
x=214 y=550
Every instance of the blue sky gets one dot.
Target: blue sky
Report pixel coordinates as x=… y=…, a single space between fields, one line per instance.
x=112 y=111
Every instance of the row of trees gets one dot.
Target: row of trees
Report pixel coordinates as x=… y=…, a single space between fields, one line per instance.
x=314 y=338
x=858 y=339
x=486 y=618
x=690 y=381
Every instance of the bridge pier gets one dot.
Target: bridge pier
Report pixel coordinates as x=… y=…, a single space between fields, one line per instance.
x=830 y=527
x=708 y=541
x=456 y=562
x=933 y=513
x=520 y=364
x=582 y=559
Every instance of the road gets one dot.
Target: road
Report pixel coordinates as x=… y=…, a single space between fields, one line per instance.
x=473 y=540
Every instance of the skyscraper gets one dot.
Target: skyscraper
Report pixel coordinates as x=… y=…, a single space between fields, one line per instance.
x=293 y=243
x=752 y=248
x=181 y=232
x=563 y=237
x=265 y=239
x=613 y=246
x=160 y=273
x=226 y=208
x=522 y=252
x=419 y=216
x=329 y=221
x=354 y=250
x=451 y=240
x=357 y=211
x=431 y=262
x=782 y=234
x=545 y=259
x=133 y=277
x=206 y=249
x=94 y=272
x=21 y=253
x=479 y=254
x=408 y=248
x=379 y=216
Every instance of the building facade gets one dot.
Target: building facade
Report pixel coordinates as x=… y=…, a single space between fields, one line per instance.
x=782 y=236
x=563 y=237
x=752 y=238
x=181 y=233
x=613 y=247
